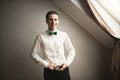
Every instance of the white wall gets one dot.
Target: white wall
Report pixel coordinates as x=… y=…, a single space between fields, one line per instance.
x=21 y=20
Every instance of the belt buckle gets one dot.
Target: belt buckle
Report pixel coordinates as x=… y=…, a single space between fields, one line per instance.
x=57 y=67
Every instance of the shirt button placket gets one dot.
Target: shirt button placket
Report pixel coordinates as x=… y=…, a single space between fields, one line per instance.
x=53 y=49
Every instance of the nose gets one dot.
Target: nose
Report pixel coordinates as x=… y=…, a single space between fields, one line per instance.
x=53 y=21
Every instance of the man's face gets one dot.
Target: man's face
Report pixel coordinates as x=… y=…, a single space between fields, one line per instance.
x=52 y=21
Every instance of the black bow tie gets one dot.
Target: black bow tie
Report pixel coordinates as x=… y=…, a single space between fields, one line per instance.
x=52 y=33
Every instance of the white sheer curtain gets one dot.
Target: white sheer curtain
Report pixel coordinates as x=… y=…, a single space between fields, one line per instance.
x=107 y=12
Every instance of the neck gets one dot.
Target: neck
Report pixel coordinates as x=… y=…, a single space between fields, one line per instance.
x=52 y=29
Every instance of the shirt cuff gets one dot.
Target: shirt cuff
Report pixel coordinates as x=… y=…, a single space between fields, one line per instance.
x=67 y=64
x=45 y=64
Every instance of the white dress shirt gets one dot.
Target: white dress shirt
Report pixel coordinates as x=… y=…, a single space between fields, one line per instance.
x=52 y=47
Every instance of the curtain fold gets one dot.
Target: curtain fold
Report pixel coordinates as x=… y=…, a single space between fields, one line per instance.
x=116 y=61
x=107 y=13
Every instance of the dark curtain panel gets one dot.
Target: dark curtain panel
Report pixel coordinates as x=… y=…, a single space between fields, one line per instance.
x=116 y=61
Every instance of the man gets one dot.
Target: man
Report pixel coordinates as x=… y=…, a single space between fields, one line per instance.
x=51 y=44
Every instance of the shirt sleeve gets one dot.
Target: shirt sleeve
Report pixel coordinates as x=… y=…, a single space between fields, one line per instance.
x=36 y=50
x=70 y=51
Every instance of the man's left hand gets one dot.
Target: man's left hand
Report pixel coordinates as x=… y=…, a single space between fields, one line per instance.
x=63 y=66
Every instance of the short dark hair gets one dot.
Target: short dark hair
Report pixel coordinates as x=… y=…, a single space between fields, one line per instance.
x=49 y=13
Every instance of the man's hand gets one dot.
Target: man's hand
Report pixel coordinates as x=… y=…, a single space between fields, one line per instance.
x=63 y=66
x=51 y=66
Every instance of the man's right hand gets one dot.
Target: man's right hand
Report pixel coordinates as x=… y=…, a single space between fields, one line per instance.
x=51 y=66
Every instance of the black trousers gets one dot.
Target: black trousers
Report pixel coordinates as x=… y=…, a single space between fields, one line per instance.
x=56 y=75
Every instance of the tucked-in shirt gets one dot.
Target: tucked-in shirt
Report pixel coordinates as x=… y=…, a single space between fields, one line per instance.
x=53 y=49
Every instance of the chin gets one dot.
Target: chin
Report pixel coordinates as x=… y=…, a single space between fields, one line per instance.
x=52 y=29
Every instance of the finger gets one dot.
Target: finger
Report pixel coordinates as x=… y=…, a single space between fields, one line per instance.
x=64 y=66
x=52 y=68
x=61 y=69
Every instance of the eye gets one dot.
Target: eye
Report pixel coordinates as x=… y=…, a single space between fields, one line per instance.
x=49 y=19
x=55 y=19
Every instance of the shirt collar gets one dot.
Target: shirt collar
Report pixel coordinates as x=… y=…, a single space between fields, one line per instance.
x=52 y=31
